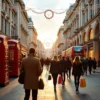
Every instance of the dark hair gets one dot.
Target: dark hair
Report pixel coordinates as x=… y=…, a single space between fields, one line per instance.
x=32 y=50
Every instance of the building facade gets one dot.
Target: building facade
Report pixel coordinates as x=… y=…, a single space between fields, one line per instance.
x=82 y=26
x=7 y=18
x=22 y=25
x=61 y=40
x=32 y=37
x=40 y=49
x=14 y=21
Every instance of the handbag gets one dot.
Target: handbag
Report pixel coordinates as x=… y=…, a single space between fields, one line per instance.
x=82 y=82
x=59 y=79
x=49 y=77
x=21 y=77
x=40 y=84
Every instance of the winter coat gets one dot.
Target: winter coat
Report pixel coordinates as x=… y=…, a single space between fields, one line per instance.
x=94 y=64
x=63 y=66
x=54 y=67
x=77 y=69
x=33 y=70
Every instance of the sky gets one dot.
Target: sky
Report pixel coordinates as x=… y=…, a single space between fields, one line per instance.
x=47 y=28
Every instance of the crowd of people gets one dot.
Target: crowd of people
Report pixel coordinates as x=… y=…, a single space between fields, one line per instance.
x=63 y=66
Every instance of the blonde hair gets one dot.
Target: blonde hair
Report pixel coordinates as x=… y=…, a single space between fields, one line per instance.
x=76 y=60
x=55 y=58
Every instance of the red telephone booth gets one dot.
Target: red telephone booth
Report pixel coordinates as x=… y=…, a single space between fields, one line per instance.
x=14 y=58
x=4 y=72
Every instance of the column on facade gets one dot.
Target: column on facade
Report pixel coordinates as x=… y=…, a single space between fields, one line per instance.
x=87 y=51
x=96 y=49
x=95 y=7
x=18 y=22
x=79 y=16
x=89 y=10
x=0 y=13
x=10 y=22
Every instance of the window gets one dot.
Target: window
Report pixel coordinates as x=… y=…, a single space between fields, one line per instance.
x=84 y=37
x=91 y=36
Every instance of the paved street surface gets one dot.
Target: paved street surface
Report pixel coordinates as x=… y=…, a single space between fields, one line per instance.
x=15 y=91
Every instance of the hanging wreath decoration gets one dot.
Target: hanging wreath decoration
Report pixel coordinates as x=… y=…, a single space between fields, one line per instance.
x=48 y=17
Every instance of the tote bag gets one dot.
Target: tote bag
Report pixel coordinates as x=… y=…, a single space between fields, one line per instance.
x=82 y=82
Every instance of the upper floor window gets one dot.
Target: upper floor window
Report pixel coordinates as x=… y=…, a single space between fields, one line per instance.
x=91 y=36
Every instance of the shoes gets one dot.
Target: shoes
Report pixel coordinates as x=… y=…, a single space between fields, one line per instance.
x=76 y=89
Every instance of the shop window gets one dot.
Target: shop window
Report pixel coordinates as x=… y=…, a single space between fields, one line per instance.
x=91 y=52
x=91 y=34
x=84 y=37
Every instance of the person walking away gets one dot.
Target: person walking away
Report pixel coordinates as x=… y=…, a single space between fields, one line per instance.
x=77 y=72
x=63 y=69
x=32 y=67
x=94 y=65
x=47 y=63
x=54 y=70
x=85 y=65
x=42 y=62
x=90 y=64
x=99 y=63
x=68 y=65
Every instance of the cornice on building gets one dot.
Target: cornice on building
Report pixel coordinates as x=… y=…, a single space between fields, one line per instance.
x=22 y=5
x=73 y=9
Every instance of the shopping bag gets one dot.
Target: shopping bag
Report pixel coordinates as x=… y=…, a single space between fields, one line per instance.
x=40 y=84
x=82 y=82
x=59 y=79
x=21 y=77
x=49 y=77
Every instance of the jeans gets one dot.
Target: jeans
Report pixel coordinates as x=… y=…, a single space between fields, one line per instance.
x=76 y=80
x=54 y=78
x=63 y=77
x=34 y=94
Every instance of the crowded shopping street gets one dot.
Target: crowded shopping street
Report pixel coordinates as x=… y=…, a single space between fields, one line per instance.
x=15 y=91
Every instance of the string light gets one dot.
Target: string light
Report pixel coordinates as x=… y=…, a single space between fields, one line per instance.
x=58 y=11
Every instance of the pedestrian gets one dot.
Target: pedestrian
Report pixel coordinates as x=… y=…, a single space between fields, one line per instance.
x=85 y=65
x=63 y=69
x=42 y=62
x=54 y=70
x=32 y=67
x=99 y=63
x=94 y=65
x=77 y=72
x=90 y=64
x=47 y=63
x=68 y=67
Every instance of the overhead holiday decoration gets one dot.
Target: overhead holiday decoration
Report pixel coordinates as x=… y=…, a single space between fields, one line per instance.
x=48 y=13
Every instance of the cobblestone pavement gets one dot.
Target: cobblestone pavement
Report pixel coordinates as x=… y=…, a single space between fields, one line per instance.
x=15 y=91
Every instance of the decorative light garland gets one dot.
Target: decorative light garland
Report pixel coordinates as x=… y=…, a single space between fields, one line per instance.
x=49 y=10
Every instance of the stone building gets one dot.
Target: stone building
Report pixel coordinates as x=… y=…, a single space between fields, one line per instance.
x=14 y=21
x=22 y=25
x=61 y=40
x=82 y=26
x=7 y=18
x=40 y=49
x=32 y=38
